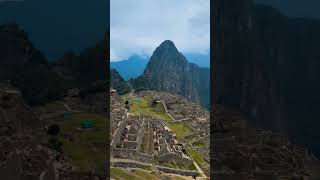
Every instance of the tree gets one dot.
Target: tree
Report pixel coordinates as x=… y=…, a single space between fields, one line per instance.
x=53 y=130
x=53 y=141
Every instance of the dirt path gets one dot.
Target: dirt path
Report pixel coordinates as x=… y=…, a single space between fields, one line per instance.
x=69 y=109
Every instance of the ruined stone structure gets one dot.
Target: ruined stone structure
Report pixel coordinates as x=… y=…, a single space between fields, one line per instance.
x=143 y=138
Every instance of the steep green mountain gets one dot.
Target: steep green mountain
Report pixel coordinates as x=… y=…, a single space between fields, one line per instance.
x=168 y=70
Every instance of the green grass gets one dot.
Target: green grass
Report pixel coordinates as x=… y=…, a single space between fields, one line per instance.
x=176 y=166
x=88 y=150
x=180 y=129
x=200 y=144
x=196 y=157
x=141 y=174
x=136 y=174
x=118 y=173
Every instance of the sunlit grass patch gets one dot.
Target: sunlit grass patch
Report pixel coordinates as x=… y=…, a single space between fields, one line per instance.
x=196 y=157
x=118 y=173
x=180 y=129
x=134 y=174
x=176 y=166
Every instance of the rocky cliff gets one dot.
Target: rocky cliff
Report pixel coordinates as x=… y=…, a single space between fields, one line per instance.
x=265 y=65
x=168 y=70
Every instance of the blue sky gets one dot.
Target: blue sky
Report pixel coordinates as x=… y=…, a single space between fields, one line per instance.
x=139 y=26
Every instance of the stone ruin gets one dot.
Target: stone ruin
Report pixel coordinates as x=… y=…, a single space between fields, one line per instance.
x=129 y=131
x=191 y=114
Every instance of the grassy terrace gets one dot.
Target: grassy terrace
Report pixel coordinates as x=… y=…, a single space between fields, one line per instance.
x=200 y=144
x=176 y=166
x=196 y=157
x=87 y=150
x=137 y=174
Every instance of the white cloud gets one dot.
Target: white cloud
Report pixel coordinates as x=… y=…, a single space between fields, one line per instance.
x=139 y=26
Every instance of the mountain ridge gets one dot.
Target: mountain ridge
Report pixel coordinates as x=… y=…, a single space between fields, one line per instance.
x=131 y=67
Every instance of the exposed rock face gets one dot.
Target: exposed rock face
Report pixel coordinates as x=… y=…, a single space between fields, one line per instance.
x=265 y=64
x=168 y=70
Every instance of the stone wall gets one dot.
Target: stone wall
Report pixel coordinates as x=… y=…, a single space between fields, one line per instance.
x=172 y=157
x=125 y=164
x=177 y=171
x=141 y=134
x=132 y=154
x=130 y=165
x=117 y=135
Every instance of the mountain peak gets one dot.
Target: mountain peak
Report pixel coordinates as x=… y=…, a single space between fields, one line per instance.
x=167 y=45
x=169 y=71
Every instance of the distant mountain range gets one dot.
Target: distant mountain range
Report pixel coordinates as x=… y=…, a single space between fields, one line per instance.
x=130 y=68
x=202 y=60
x=135 y=65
